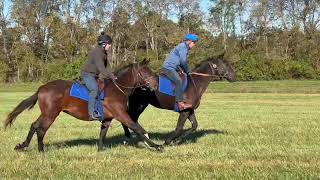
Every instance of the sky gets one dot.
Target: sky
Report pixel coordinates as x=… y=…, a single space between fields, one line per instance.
x=6 y=7
x=204 y=5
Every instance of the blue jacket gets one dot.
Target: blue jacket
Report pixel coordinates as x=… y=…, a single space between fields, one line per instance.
x=177 y=58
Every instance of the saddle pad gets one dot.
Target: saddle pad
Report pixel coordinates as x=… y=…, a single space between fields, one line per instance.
x=81 y=92
x=167 y=87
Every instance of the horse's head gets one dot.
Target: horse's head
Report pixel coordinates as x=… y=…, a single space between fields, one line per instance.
x=144 y=77
x=222 y=69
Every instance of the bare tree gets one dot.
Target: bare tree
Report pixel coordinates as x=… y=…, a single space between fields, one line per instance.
x=3 y=25
x=223 y=18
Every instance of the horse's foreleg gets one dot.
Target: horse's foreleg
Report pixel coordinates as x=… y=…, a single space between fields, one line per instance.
x=179 y=128
x=194 y=124
x=145 y=137
x=192 y=118
x=126 y=120
x=32 y=130
x=135 y=110
x=103 y=132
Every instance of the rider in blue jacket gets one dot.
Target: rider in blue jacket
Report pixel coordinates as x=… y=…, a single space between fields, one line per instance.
x=176 y=60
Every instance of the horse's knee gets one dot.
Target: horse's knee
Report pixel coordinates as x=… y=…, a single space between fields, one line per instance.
x=194 y=125
x=35 y=124
x=179 y=128
x=105 y=124
x=40 y=132
x=184 y=115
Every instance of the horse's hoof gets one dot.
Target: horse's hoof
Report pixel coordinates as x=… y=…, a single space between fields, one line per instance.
x=20 y=147
x=178 y=141
x=168 y=142
x=125 y=142
x=100 y=149
x=159 y=148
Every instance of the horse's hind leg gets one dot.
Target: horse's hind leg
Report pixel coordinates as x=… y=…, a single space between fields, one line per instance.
x=44 y=125
x=103 y=132
x=126 y=133
x=32 y=130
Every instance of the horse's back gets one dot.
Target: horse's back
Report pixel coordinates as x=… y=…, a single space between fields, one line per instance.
x=53 y=90
x=56 y=85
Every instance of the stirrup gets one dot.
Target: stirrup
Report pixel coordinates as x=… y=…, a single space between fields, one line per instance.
x=95 y=116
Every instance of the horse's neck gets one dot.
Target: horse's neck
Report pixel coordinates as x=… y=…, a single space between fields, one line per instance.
x=125 y=84
x=200 y=83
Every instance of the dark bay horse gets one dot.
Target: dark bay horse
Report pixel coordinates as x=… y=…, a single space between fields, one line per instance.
x=209 y=70
x=54 y=97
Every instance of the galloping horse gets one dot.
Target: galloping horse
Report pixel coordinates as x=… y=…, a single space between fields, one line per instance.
x=54 y=97
x=210 y=70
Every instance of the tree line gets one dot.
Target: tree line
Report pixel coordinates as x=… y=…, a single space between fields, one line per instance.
x=42 y=40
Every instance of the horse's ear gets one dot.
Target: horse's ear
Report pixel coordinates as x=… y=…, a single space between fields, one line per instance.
x=145 y=61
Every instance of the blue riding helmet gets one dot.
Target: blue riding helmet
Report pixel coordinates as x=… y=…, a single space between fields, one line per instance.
x=191 y=37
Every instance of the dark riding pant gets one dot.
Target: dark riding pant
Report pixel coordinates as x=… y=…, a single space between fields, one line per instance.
x=175 y=78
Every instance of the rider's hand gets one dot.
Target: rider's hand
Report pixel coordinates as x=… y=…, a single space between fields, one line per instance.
x=113 y=77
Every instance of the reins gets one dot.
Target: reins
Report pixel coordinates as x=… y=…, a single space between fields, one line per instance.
x=130 y=87
x=205 y=75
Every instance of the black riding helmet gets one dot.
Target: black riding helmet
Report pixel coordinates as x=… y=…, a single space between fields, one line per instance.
x=104 y=39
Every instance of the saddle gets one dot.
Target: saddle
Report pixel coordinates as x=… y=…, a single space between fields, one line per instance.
x=80 y=91
x=167 y=87
x=100 y=83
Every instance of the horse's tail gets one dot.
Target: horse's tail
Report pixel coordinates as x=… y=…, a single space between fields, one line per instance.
x=27 y=103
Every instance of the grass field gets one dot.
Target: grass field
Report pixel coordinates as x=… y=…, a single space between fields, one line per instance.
x=247 y=130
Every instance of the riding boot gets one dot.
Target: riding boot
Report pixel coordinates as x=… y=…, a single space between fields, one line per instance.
x=182 y=106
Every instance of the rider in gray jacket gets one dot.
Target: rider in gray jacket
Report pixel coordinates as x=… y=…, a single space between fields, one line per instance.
x=97 y=63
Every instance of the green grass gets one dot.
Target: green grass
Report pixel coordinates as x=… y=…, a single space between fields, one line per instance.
x=19 y=87
x=288 y=86
x=274 y=135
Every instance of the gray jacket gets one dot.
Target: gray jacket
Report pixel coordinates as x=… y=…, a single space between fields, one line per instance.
x=97 y=63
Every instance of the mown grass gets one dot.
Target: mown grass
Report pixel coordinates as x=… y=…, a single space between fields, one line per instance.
x=274 y=135
x=288 y=86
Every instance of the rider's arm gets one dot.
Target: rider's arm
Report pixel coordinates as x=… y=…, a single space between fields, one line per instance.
x=105 y=72
x=183 y=53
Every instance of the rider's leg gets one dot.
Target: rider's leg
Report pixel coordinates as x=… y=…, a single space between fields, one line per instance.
x=175 y=78
x=92 y=86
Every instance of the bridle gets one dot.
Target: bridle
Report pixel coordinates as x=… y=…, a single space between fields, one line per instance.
x=212 y=69
x=146 y=84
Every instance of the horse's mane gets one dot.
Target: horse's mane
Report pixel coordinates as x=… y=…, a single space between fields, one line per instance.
x=120 y=71
x=204 y=63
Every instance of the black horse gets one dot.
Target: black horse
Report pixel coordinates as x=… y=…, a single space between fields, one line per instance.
x=212 y=69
